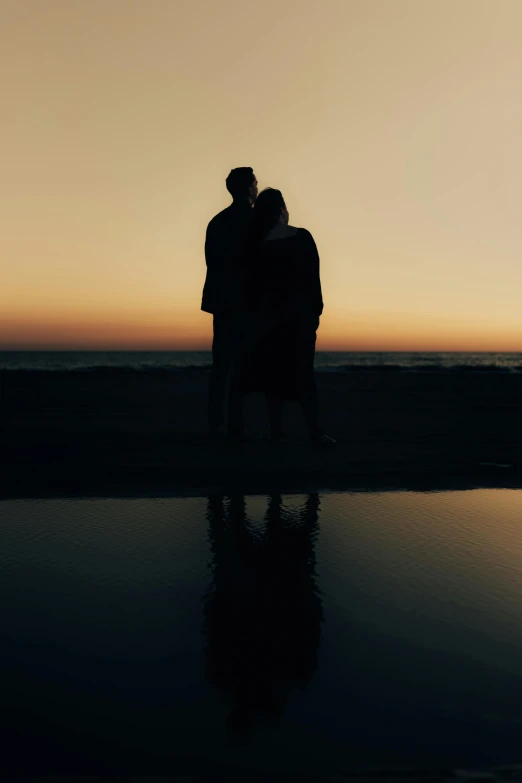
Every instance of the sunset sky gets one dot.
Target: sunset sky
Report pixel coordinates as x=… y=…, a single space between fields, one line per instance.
x=393 y=128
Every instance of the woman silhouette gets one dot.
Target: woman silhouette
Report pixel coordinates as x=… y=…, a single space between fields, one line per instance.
x=283 y=295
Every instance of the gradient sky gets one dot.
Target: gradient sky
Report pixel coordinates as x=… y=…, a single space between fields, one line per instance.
x=393 y=128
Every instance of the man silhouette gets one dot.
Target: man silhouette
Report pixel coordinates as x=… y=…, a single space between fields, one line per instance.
x=222 y=297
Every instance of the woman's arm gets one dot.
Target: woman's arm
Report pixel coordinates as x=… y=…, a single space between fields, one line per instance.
x=313 y=278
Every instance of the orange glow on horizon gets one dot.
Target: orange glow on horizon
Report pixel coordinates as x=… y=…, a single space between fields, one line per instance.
x=192 y=330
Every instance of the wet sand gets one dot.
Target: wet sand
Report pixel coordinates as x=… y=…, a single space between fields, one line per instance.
x=129 y=433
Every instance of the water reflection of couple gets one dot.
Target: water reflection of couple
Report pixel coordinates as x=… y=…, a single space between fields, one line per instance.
x=263 y=613
x=264 y=291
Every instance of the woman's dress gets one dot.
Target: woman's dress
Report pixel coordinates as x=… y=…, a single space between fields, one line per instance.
x=283 y=294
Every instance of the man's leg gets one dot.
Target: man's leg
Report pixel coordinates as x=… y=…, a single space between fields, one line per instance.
x=236 y=398
x=218 y=376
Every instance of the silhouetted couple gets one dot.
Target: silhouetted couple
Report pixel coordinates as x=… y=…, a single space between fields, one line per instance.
x=264 y=291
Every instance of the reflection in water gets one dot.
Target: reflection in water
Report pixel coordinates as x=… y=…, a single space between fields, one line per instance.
x=262 y=611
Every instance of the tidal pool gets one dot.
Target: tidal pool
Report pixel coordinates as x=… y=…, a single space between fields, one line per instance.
x=297 y=633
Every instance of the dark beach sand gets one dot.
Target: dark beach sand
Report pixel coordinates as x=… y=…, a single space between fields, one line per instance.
x=129 y=433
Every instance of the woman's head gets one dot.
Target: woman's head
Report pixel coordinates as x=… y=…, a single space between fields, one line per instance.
x=269 y=210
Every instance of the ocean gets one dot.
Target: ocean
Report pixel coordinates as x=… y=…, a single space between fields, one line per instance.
x=326 y=361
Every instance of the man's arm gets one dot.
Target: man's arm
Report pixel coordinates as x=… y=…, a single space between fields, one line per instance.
x=210 y=249
x=208 y=301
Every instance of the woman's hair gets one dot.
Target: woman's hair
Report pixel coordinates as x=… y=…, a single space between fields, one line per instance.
x=267 y=211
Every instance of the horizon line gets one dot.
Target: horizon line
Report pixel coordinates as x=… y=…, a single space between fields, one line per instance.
x=83 y=349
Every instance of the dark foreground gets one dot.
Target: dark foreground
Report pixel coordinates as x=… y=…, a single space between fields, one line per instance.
x=138 y=433
x=511 y=773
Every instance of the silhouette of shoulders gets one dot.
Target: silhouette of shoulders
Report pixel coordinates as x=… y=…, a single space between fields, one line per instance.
x=234 y=211
x=281 y=232
x=302 y=235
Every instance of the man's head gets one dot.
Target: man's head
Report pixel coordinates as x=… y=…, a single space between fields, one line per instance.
x=242 y=184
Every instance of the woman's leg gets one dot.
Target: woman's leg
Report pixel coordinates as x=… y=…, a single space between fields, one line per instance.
x=310 y=406
x=305 y=371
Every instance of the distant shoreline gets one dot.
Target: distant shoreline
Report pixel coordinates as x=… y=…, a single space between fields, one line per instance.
x=337 y=362
x=340 y=369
